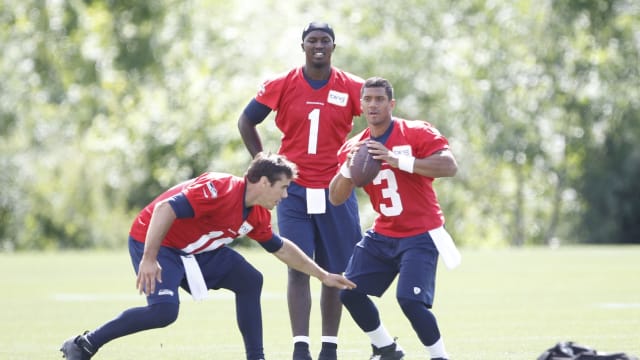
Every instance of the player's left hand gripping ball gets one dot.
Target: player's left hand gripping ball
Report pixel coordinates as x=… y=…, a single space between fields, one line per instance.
x=363 y=167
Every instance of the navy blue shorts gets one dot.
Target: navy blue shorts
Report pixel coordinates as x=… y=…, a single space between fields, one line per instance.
x=378 y=259
x=215 y=265
x=327 y=238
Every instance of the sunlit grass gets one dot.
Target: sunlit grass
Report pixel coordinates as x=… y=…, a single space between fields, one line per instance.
x=499 y=304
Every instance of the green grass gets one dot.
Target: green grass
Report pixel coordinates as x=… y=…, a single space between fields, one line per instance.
x=499 y=304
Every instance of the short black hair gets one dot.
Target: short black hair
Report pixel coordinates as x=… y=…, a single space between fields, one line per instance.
x=376 y=81
x=273 y=166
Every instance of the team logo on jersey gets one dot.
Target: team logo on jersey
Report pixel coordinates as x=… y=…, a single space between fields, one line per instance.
x=337 y=98
x=402 y=150
x=416 y=290
x=212 y=190
x=245 y=228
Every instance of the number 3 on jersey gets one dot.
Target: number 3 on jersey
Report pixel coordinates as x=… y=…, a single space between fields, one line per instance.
x=390 y=192
x=314 y=117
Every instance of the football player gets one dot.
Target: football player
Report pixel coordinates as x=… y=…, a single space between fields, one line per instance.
x=315 y=105
x=409 y=226
x=179 y=239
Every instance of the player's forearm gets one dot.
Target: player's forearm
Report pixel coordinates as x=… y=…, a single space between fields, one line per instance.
x=295 y=258
x=340 y=189
x=440 y=164
x=161 y=219
x=249 y=135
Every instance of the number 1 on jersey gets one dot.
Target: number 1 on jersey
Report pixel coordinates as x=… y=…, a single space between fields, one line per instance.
x=314 y=117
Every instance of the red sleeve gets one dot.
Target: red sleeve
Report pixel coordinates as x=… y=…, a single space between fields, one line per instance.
x=426 y=139
x=270 y=91
x=261 y=218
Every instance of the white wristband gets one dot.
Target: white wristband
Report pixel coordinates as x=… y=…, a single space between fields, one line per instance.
x=405 y=163
x=344 y=171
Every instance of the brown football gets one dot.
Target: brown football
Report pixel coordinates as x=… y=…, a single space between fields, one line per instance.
x=363 y=167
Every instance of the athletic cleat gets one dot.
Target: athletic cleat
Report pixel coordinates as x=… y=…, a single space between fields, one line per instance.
x=78 y=348
x=326 y=356
x=439 y=359
x=389 y=352
x=301 y=355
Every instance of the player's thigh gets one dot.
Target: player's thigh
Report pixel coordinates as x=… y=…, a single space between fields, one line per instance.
x=172 y=272
x=293 y=221
x=372 y=275
x=417 y=277
x=339 y=231
x=226 y=268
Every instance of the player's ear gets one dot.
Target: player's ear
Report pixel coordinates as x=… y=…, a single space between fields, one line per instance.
x=302 y=46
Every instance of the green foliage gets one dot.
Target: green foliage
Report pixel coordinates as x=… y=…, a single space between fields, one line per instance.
x=104 y=104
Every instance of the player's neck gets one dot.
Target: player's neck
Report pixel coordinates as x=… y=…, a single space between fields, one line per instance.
x=317 y=73
x=251 y=195
x=380 y=129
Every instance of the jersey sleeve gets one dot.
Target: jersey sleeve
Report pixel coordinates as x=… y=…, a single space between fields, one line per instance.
x=274 y=244
x=427 y=140
x=270 y=91
x=260 y=218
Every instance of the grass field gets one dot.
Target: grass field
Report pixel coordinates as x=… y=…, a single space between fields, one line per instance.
x=507 y=304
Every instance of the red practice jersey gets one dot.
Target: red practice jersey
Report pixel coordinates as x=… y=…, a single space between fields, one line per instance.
x=314 y=123
x=217 y=201
x=406 y=203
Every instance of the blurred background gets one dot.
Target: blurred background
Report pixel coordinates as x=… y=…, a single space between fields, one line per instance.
x=104 y=104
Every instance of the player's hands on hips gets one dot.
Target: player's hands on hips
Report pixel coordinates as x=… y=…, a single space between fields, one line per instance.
x=338 y=281
x=148 y=273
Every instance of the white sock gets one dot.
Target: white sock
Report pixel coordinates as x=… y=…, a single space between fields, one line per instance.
x=304 y=339
x=437 y=350
x=380 y=337
x=329 y=339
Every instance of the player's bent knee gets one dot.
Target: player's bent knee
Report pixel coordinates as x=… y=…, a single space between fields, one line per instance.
x=163 y=314
x=253 y=278
x=412 y=307
x=351 y=298
x=244 y=280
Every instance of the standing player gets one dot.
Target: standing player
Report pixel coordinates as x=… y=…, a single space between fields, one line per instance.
x=179 y=239
x=315 y=105
x=409 y=222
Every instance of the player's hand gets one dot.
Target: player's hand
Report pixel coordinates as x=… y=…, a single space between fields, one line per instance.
x=338 y=281
x=148 y=273
x=354 y=150
x=380 y=152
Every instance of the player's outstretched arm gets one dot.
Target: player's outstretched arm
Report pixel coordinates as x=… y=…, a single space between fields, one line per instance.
x=291 y=255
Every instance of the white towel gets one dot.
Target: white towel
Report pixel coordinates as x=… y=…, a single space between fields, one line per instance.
x=195 y=279
x=316 y=202
x=446 y=247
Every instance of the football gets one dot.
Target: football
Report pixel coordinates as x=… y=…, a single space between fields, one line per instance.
x=363 y=167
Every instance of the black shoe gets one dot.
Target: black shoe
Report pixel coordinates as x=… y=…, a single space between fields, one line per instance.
x=327 y=355
x=439 y=359
x=77 y=348
x=389 y=352
x=301 y=355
